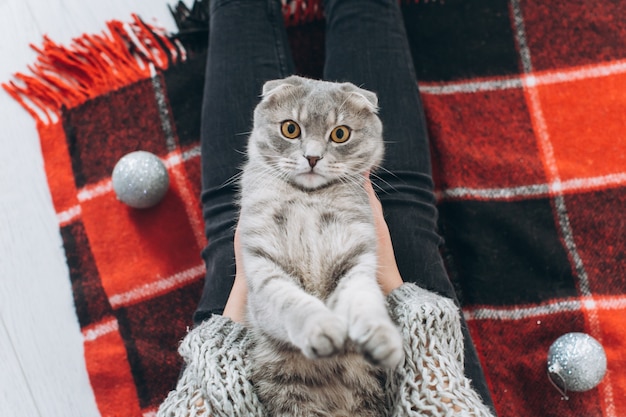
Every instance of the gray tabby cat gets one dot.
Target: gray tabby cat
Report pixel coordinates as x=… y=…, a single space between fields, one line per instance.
x=323 y=335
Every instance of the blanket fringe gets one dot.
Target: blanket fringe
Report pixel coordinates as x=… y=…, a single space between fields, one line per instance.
x=67 y=76
x=297 y=12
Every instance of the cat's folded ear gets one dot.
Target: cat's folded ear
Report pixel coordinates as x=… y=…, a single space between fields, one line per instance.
x=276 y=89
x=361 y=98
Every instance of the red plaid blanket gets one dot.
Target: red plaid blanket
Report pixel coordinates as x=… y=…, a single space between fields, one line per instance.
x=524 y=101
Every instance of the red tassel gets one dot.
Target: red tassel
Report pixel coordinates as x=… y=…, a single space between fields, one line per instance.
x=297 y=12
x=96 y=64
x=67 y=76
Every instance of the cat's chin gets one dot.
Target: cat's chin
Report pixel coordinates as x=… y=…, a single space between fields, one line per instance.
x=310 y=181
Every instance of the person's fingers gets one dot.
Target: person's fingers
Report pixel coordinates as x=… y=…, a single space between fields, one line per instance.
x=235 y=307
x=388 y=274
x=377 y=208
x=238 y=258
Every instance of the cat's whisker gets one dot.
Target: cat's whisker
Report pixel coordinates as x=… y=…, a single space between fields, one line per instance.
x=272 y=170
x=267 y=173
x=382 y=168
x=235 y=178
x=377 y=177
x=353 y=181
x=379 y=188
x=339 y=171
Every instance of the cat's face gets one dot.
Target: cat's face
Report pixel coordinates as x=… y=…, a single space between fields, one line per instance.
x=313 y=133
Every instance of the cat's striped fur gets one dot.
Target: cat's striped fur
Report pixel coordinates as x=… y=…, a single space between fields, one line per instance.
x=323 y=337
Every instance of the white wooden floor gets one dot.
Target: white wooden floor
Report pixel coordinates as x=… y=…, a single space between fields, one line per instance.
x=41 y=368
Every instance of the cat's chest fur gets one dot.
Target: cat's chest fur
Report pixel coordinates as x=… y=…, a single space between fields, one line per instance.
x=313 y=235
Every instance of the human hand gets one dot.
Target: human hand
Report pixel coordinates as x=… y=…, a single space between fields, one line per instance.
x=235 y=308
x=388 y=274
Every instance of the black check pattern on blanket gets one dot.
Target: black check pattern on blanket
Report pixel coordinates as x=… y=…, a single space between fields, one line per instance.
x=136 y=274
x=525 y=104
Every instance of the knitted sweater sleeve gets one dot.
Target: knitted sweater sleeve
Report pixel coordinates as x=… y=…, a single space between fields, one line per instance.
x=214 y=381
x=432 y=381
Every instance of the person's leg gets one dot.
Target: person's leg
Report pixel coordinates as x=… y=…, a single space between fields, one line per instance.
x=366 y=44
x=247 y=46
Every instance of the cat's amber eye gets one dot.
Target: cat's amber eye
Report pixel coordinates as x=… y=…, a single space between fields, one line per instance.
x=290 y=129
x=340 y=134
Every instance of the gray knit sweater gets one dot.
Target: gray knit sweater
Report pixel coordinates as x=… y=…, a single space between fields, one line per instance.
x=430 y=382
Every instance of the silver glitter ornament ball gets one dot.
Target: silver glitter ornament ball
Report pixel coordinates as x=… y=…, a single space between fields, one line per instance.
x=140 y=179
x=576 y=362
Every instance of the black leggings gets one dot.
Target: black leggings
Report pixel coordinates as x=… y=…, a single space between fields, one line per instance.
x=366 y=44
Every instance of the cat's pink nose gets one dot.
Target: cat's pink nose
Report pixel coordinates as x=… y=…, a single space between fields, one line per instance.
x=313 y=160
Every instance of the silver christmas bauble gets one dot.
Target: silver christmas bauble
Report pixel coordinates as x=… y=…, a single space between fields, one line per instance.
x=140 y=179
x=576 y=362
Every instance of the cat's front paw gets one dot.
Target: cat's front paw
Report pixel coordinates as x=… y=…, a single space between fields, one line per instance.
x=380 y=342
x=323 y=335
